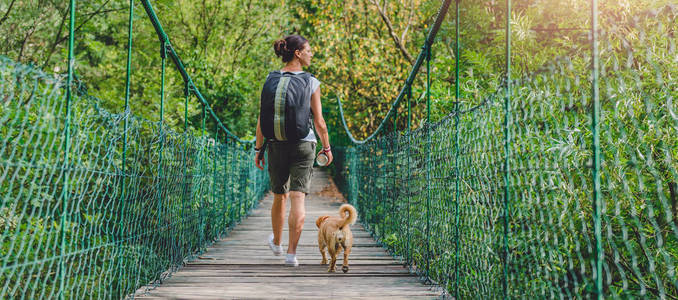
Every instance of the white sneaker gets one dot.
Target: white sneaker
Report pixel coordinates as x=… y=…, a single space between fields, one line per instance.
x=277 y=249
x=291 y=260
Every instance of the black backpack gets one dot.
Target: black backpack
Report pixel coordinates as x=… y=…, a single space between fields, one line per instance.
x=285 y=113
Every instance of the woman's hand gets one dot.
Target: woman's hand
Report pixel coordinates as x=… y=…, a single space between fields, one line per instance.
x=330 y=158
x=259 y=162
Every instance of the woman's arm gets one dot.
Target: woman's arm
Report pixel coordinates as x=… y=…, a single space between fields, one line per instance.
x=260 y=136
x=319 y=122
x=257 y=145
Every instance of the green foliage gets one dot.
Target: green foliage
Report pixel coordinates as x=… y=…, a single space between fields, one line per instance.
x=226 y=47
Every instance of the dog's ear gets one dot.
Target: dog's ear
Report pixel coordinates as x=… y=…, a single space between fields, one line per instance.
x=320 y=220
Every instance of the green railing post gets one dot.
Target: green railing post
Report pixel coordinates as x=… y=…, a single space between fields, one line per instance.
x=428 y=158
x=242 y=188
x=409 y=192
x=231 y=211
x=232 y=182
x=163 y=55
x=456 y=154
x=201 y=170
x=215 y=155
x=409 y=108
x=507 y=141
x=225 y=190
x=250 y=194
x=394 y=150
x=121 y=213
x=187 y=94
x=66 y=167
x=595 y=131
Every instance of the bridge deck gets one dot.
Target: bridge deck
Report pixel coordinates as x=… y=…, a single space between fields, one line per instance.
x=242 y=266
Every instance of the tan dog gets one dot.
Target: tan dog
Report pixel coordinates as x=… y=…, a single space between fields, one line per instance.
x=335 y=234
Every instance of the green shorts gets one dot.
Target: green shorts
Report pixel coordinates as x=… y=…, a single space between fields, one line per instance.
x=290 y=166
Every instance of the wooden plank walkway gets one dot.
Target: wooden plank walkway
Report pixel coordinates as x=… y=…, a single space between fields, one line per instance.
x=241 y=266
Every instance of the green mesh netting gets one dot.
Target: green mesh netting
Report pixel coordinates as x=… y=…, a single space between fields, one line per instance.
x=437 y=196
x=179 y=192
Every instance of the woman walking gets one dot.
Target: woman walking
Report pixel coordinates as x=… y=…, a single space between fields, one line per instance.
x=290 y=103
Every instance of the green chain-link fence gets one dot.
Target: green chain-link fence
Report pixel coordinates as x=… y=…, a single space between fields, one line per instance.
x=499 y=198
x=95 y=204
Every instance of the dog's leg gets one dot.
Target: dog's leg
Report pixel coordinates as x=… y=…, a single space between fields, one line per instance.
x=333 y=264
x=344 y=265
x=322 y=246
x=333 y=259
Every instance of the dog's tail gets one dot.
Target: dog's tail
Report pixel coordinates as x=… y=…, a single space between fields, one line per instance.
x=351 y=217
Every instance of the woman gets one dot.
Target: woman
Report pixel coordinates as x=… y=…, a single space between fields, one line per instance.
x=290 y=163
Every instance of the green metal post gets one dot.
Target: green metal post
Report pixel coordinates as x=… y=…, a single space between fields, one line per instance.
x=241 y=192
x=163 y=55
x=456 y=154
x=204 y=114
x=121 y=213
x=225 y=176
x=409 y=136
x=201 y=205
x=409 y=108
x=245 y=175
x=394 y=199
x=232 y=178
x=244 y=185
x=595 y=130
x=428 y=84
x=66 y=167
x=507 y=141
x=241 y=189
x=428 y=158
x=187 y=94
x=214 y=174
x=231 y=211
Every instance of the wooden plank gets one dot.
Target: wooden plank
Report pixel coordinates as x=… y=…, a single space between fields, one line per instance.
x=240 y=265
x=311 y=250
x=265 y=267
x=357 y=285
x=303 y=270
x=390 y=297
x=235 y=244
x=257 y=291
x=230 y=281
x=300 y=255
x=302 y=261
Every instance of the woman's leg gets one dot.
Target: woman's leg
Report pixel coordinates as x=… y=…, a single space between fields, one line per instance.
x=278 y=216
x=296 y=219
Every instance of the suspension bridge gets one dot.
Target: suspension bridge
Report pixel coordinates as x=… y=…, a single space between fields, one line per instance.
x=560 y=182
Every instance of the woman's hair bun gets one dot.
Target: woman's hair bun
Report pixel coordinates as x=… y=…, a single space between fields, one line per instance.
x=280 y=47
x=285 y=47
